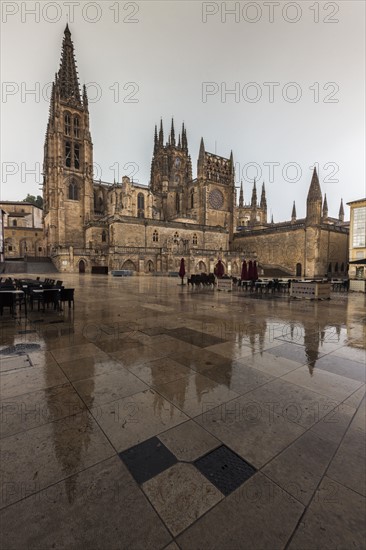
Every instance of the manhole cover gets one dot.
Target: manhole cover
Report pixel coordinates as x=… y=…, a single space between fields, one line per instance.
x=225 y=469
x=19 y=349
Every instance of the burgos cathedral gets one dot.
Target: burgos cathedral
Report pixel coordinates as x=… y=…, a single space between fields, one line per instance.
x=93 y=226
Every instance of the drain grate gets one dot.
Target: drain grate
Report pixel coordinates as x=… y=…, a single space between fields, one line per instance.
x=225 y=469
x=19 y=349
x=147 y=459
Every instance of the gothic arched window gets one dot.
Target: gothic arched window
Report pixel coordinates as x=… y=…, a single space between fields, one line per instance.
x=68 y=154
x=77 y=156
x=76 y=127
x=192 y=198
x=194 y=239
x=73 y=191
x=177 y=202
x=140 y=205
x=176 y=237
x=67 y=123
x=104 y=236
x=155 y=236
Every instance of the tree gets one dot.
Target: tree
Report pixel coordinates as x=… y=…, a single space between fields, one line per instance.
x=37 y=201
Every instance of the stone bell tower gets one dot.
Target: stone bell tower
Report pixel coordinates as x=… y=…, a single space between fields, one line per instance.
x=68 y=157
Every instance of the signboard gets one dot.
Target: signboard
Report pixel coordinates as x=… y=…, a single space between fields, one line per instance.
x=224 y=284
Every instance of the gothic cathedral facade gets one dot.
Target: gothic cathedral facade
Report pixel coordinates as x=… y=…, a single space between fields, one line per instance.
x=98 y=226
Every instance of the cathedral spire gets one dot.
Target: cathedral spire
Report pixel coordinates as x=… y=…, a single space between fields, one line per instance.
x=184 y=139
x=241 y=196
x=156 y=142
x=263 y=203
x=254 y=195
x=161 y=133
x=201 y=160
x=314 y=201
x=293 y=214
x=325 y=207
x=67 y=75
x=341 y=212
x=172 y=134
x=201 y=156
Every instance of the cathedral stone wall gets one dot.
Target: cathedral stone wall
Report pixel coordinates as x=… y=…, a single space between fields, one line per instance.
x=314 y=248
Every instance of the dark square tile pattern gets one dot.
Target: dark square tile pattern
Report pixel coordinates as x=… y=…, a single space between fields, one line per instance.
x=225 y=469
x=147 y=459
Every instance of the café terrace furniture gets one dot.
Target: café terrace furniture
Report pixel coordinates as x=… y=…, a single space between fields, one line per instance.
x=67 y=295
x=46 y=296
x=12 y=299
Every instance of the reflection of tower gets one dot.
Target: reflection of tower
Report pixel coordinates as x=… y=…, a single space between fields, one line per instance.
x=180 y=389
x=69 y=455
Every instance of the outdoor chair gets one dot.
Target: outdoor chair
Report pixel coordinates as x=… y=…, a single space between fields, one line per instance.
x=6 y=300
x=51 y=296
x=67 y=295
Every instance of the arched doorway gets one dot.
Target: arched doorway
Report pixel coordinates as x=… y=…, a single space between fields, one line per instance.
x=81 y=266
x=201 y=267
x=129 y=265
x=149 y=267
x=298 y=270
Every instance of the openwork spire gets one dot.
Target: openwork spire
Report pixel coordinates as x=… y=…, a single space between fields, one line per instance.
x=67 y=75
x=254 y=195
x=241 y=196
x=263 y=197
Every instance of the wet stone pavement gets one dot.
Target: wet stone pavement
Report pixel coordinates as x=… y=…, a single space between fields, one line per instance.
x=155 y=416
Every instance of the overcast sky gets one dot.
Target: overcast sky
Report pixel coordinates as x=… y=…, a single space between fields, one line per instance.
x=146 y=60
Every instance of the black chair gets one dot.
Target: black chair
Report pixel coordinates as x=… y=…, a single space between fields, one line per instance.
x=6 y=300
x=59 y=283
x=67 y=295
x=51 y=296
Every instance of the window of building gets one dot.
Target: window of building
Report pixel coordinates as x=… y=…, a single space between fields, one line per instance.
x=176 y=237
x=73 y=191
x=67 y=121
x=177 y=203
x=76 y=127
x=342 y=267
x=140 y=205
x=155 y=237
x=140 y=201
x=14 y=223
x=39 y=249
x=192 y=198
x=104 y=237
x=77 y=156
x=194 y=239
x=68 y=154
x=359 y=227
x=359 y=272
x=336 y=267
x=10 y=248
